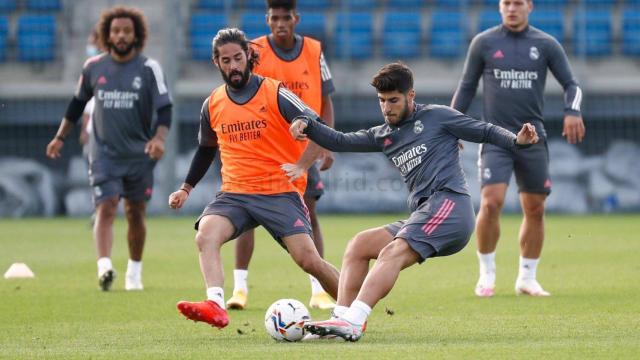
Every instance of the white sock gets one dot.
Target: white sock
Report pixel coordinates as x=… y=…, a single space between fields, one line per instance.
x=134 y=268
x=316 y=288
x=104 y=264
x=358 y=313
x=487 y=266
x=216 y=294
x=338 y=311
x=240 y=280
x=527 y=269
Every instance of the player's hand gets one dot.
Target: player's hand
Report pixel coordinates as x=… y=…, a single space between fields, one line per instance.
x=293 y=171
x=154 y=148
x=527 y=135
x=297 y=130
x=573 y=129
x=327 y=160
x=54 y=147
x=178 y=198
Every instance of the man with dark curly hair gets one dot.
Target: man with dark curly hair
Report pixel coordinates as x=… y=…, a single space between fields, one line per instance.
x=125 y=144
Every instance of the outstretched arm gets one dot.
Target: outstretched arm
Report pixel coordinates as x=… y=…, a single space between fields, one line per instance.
x=328 y=138
x=467 y=128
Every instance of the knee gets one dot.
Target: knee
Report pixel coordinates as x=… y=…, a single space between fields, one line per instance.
x=134 y=215
x=107 y=209
x=492 y=206
x=204 y=239
x=357 y=248
x=310 y=263
x=534 y=211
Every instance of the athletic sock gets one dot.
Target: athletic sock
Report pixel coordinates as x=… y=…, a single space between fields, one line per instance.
x=216 y=294
x=527 y=269
x=104 y=264
x=316 y=288
x=338 y=311
x=240 y=280
x=487 y=266
x=134 y=268
x=358 y=313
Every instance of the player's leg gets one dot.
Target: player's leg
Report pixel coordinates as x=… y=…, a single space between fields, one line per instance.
x=137 y=189
x=106 y=211
x=496 y=167
x=223 y=219
x=364 y=247
x=320 y=299
x=441 y=226
x=393 y=258
x=213 y=232
x=304 y=253
x=315 y=189
x=532 y=175
x=136 y=235
x=244 y=251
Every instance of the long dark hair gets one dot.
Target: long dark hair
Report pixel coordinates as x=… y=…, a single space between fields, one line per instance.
x=236 y=36
x=139 y=25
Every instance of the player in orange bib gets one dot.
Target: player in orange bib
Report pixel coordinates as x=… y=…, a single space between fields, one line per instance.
x=299 y=63
x=247 y=119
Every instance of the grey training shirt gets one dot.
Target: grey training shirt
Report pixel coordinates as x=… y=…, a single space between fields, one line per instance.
x=424 y=147
x=513 y=66
x=126 y=95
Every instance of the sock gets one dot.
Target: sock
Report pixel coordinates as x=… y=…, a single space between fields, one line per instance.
x=338 y=311
x=216 y=294
x=134 y=268
x=487 y=267
x=358 y=313
x=240 y=280
x=527 y=269
x=104 y=264
x=316 y=288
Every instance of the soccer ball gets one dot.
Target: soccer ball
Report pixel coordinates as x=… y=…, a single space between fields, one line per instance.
x=285 y=320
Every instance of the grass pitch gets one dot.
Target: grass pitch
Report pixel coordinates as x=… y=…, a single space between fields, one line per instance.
x=589 y=264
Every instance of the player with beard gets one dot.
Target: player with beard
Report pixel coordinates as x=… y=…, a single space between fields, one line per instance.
x=124 y=145
x=247 y=119
x=422 y=142
x=299 y=63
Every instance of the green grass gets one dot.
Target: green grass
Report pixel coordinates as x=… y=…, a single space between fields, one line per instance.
x=590 y=264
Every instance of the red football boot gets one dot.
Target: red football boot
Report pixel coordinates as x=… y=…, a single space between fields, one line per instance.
x=206 y=311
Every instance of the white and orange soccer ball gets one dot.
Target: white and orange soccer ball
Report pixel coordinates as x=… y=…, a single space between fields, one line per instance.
x=285 y=320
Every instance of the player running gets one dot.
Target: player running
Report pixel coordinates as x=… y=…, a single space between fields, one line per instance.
x=248 y=119
x=422 y=142
x=123 y=146
x=299 y=63
x=513 y=59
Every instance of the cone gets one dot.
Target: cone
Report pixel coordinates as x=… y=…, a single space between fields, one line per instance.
x=19 y=270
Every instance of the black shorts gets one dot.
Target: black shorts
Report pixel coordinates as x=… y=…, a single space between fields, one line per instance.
x=440 y=226
x=315 y=186
x=531 y=167
x=131 y=179
x=282 y=214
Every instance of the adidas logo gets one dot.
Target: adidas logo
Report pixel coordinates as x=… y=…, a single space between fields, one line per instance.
x=263 y=109
x=298 y=223
x=547 y=183
x=102 y=80
x=498 y=55
x=305 y=72
x=387 y=142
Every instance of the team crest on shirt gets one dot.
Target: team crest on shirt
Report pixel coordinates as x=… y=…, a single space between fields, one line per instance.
x=418 y=127
x=137 y=83
x=534 y=54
